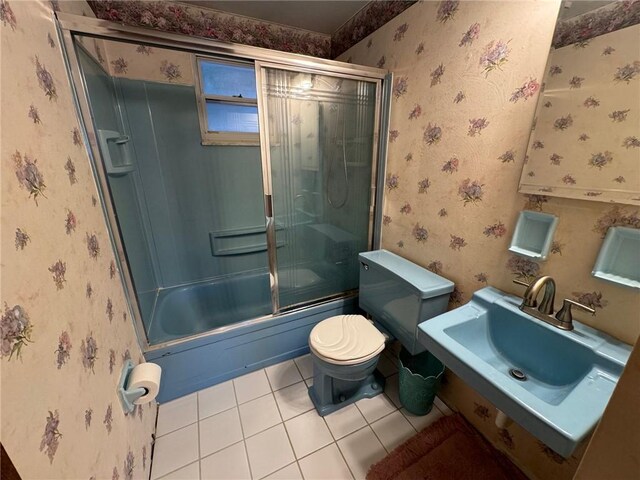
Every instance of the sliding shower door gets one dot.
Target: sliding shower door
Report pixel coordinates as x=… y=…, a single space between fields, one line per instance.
x=189 y=214
x=319 y=142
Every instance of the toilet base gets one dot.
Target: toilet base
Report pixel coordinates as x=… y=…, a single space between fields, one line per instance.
x=335 y=387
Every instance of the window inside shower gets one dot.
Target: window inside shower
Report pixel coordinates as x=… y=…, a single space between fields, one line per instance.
x=216 y=233
x=228 y=102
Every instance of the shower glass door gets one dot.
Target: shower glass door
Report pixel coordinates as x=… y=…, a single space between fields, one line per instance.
x=319 y=140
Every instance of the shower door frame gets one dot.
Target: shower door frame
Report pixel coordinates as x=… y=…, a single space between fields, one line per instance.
x=267 y=185
x=69 y=26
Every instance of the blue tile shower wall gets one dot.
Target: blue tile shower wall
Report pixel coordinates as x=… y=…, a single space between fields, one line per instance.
x=191 y=190
x=180 y=192
x=107 y=115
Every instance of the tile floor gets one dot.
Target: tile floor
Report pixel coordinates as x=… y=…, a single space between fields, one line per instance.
x=263 y=425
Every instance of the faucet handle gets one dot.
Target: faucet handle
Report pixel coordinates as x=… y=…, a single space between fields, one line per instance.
x=564 y=315
x=520 y=282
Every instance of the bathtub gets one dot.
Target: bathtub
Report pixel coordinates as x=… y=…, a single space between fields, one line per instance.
x=197 y=308
x=231 y=332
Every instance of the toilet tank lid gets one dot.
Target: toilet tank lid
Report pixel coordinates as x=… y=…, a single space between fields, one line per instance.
x=427 y=283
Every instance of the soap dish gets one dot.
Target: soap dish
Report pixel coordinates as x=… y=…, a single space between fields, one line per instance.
x=619 y=257
x=533 y=234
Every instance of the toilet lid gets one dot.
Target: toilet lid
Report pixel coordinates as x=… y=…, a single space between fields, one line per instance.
x=346 y=339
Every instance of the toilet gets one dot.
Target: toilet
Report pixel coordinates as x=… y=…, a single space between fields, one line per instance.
x=398 y=295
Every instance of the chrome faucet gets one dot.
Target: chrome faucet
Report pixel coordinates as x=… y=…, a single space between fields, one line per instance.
x=563 y=319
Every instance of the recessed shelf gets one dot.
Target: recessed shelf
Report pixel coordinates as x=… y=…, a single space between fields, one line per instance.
x=533 y=234
x=619 y=257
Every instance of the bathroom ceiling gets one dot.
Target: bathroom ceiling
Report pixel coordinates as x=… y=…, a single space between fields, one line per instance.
x=318 y=16
x=574 y=8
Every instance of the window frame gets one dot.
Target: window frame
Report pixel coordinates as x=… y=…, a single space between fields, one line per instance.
x=212 y=137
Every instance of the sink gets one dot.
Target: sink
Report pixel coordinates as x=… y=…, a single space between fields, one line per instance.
x=554 y=383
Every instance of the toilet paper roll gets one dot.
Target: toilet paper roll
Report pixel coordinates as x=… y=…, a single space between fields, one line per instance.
x=147 y=376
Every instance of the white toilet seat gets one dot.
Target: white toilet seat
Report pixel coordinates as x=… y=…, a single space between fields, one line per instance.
x=346 y=340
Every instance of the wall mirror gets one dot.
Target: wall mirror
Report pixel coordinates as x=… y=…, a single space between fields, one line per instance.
x=585 y=138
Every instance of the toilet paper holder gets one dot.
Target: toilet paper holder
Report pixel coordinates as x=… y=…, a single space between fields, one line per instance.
x=127 y=397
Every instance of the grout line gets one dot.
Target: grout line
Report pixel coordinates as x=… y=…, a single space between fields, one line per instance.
x=268 y=380
x=345 y=460
x=235 y=395
x=330 y=432
x=223 y=448
x=227 y=446
x=281 y=363
x=283 y=423
x=218 y=413
x=298 y=368
x=315 y=451
x=290 y=442
x=267 y=428
x=376 y=435
x=179 y=468
x=159 y=412
x=176 y=430
x=335 y=441
x=298 y=414
x=342 y=453
x=286 y=466
x=278 y=408
x=246 y=451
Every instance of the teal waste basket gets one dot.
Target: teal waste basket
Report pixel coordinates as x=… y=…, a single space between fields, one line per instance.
x=419 y=380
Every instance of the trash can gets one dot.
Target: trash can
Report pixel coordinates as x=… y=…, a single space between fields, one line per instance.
x=419 y=381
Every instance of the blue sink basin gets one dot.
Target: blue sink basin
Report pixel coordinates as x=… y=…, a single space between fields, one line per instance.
x=570 y=375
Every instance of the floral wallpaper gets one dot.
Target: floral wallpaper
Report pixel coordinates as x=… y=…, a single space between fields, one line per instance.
x=467 y=76
x=615 y=16
x=142 y=62
x=64 y=325
x=190 y=20
x=586 y=143
x=177 y=18
x=366 y=21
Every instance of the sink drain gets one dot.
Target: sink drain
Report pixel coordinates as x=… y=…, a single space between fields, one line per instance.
x=518 y=374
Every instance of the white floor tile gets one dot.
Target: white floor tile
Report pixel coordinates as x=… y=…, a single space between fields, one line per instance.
x=305 y=364
x=269 y=451
x=361 y=450
x=308 y=433
x=293 y=400
x=216 y=399
x=325 y=464
x=393 y=430
x=376 y=407
x=219 y=431
x=391 y=390
x=259 y=414
x=177 y=414
x=345 y=421
x=190 y=472
x=442 y=406
x=386 y=367
x=283 y=374
x=423 y=421
x=290 y=472
x=250 y=386
x=308 y=381
x=228 y=464
x=175 y=450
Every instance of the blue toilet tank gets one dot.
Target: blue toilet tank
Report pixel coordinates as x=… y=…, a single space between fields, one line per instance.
x=399 y=295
